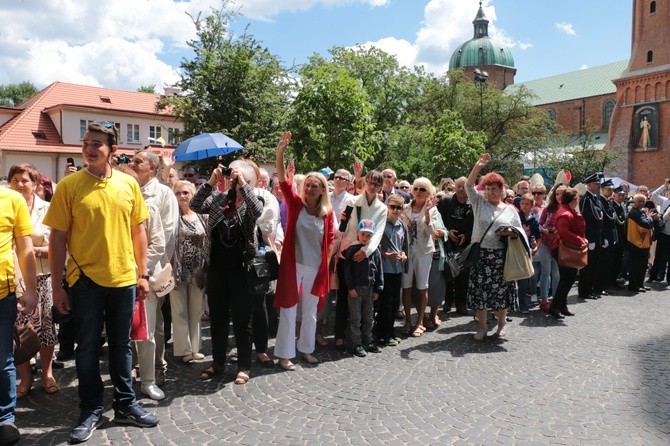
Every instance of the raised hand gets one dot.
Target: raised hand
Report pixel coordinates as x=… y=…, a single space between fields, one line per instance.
x=358 y=169
x=283 y=142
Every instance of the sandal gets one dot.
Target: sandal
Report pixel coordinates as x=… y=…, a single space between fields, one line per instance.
x=428 y=324
x=437 y=322
x=209 y=373
x=50 y=386
x=502 y=330
x=187 y=359
x=22 y=391
x=418 y=331
x=242 y=377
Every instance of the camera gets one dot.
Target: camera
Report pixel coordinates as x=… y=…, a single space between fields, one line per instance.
x=123 y=159
x=226 y=171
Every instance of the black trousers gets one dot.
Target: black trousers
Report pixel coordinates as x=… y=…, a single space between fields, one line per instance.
x=456 y=292
x=228 y=296
x=259 y=323
x=587 y=275
x=341 y=306
x=658 y=269
x=388 y=302
x=637 y=266
x=568 y=277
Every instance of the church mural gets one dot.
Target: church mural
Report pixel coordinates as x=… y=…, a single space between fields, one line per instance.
x=645 y=127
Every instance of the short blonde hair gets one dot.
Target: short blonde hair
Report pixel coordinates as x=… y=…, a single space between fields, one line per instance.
x=186 y=185
x=424 y=182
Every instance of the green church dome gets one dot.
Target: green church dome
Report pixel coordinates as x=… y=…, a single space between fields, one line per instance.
x=481 y=50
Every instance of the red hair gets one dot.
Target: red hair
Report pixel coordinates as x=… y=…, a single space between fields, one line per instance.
x=492 y=178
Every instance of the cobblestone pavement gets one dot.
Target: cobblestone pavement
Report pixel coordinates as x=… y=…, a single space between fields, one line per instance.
x=599 y=378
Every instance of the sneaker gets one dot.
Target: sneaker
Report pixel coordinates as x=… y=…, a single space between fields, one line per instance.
x=372 y=348
x=359 y=351
x=9 y=433
x=85 y=428
x=152 y=391
x=392 y=343
x=533 y=299
x=135 y=414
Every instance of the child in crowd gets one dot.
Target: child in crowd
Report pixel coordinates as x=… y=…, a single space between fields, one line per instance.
x=531 y=225
x=394 y=247
x=364 y=282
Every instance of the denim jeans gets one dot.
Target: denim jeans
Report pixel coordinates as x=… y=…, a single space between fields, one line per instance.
x=7 y=369
x=93 y=305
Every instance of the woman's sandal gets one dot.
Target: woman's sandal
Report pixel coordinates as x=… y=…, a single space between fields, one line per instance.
x=242 y=377
x=418 y=331
x=22 y=391
x=209 y=373
x=50 y=386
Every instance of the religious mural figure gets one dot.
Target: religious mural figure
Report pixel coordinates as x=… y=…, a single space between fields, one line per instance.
x=645 y=126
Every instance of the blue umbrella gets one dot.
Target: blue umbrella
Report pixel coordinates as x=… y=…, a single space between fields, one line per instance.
x=206 y=145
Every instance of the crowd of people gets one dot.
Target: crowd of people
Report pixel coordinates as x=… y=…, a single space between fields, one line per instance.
x=378 y=249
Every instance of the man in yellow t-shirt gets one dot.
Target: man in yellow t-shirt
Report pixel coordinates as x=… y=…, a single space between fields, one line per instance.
x=15 y=230
x=96 y=216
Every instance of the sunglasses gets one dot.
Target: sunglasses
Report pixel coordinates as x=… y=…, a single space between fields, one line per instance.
x=395 y=207
x=420 y=189
x=183 y=192
x=538 y=193
x=189 y=175
x=404 y=187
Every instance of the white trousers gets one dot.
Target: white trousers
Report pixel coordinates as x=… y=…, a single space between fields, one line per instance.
x=146 y=350
x=307 y=305
x=186 y=303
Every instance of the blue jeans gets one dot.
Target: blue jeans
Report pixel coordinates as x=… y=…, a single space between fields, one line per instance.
x=7 y=369
x=93 y=305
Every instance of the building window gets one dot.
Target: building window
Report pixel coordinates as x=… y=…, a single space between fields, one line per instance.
x=650 y=56
x=83 y=127
x=133 y=133
x=608 y=109
x=552 y=114
x=172 y=136
x=155 y=131
x=652 y=8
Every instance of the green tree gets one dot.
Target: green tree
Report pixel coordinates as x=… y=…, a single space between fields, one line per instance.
x=12 y=95
x=331 y=118
x=147 y=89
x=232 y=85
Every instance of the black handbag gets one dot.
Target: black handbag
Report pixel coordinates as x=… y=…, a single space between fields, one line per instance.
x=261 y=270
x=451 y=267
x=470 y=254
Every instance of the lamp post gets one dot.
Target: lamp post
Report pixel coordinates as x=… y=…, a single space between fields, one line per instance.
x=481 y=77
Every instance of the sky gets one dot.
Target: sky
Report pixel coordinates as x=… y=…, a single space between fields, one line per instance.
x=126 y=44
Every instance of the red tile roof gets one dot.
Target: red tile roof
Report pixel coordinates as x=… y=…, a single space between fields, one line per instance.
x=18 y=132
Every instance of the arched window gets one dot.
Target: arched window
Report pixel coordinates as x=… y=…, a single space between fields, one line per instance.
x=652 y=8
x=552 y=114
x=650 y=56
x=608 y=109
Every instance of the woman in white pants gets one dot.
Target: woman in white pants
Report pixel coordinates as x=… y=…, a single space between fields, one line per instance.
x=303 y=271
x=186 y=300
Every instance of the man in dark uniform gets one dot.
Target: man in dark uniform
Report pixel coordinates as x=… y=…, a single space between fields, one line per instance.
x=620 y=267
x=457 y=216
x=610 y=239
x=591 y=208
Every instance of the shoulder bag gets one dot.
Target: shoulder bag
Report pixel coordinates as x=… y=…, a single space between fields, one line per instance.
x=470 y=255
x=570 y=256
x=518 y=264
x=162 y=280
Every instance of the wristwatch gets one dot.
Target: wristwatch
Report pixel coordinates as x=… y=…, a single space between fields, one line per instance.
x=144 y=276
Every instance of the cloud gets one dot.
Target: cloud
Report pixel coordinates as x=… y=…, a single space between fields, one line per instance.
x=447 y=24
x=584 y=67
x=567 y=28
x=266 y=9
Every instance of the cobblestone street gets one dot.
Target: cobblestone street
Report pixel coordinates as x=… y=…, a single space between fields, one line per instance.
x=601 y=377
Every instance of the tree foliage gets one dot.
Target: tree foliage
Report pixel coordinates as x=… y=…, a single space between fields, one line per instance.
x=12 y=95
x=147 y=89
x=233 y=85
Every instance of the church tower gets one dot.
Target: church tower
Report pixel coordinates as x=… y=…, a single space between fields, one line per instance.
x=640 y=126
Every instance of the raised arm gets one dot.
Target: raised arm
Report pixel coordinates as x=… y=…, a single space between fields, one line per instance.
x=281 y=148
x=479 y=165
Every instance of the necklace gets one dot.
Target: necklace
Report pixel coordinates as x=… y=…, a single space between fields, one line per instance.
x=101 y=176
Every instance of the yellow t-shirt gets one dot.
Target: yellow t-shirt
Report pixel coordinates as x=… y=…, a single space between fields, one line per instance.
x=14 y=223
x=98 y=215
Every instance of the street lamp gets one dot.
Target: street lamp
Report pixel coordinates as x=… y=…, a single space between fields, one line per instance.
x=481 y=77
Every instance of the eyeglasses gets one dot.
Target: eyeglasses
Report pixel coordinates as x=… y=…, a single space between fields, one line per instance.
x=403 y=187
x=538 y=193
x=183 y=192
x=107 y=125
x=395 y=207
x=420 y=189
x=375 y=185
x=189 y=175
x=341 y=178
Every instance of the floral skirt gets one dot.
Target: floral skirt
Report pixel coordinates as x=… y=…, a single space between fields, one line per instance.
x=487 y=288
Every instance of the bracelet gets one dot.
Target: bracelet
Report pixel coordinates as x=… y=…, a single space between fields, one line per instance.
x=144 y=276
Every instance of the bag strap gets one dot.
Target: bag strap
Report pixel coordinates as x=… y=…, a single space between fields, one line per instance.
x=487 y=229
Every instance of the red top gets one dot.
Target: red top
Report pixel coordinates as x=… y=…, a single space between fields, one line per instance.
x=286 y=294
x=570 y=227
